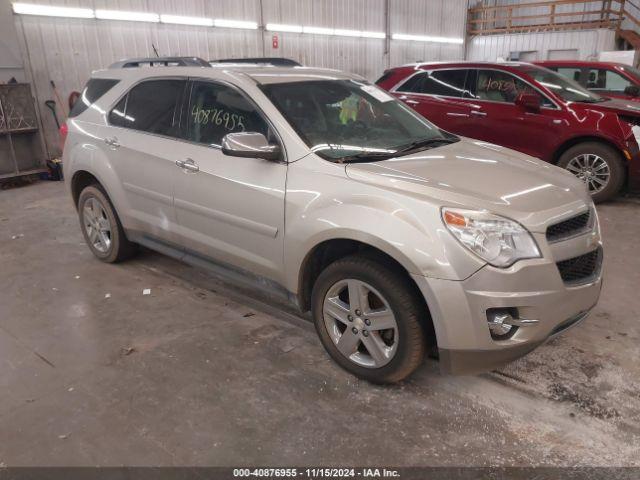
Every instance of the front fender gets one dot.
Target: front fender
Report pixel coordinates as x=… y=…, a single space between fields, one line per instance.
x=404 y=227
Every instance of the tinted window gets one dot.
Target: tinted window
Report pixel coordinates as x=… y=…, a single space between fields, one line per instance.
x=499 y=86
x=448 y=83
x=414 y=84
x=216 y=110
x=608 y=80
x=445 y=82
x=151 y=106
x=95 y=88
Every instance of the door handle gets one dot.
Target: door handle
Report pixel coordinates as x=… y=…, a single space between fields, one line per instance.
x=112 y=142
x=188 y=165
x=478 y=113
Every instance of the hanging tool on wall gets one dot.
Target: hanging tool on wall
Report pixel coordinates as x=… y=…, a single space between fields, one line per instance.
x=55 y=92
x=51 y=105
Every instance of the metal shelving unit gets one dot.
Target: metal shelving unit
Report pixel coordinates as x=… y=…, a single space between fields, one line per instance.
x=21 y=148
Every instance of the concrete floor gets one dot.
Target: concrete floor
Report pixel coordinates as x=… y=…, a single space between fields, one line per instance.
x=197 y=373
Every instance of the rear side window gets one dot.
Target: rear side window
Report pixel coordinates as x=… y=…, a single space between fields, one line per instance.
x=152 y=106
x=448 y=83
x=93 y=90
x=414 y=84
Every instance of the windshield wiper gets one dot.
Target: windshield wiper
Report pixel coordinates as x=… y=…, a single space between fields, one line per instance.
x=366 y=157
x=594 y=100
x=400 y=150
x=427 y=142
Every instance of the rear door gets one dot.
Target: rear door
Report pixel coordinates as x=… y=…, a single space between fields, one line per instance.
x=141 y=143
x=229 y=208
x=439 y=96
x=499 y=120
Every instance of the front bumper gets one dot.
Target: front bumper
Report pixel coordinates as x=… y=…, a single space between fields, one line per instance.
x=634 y=164
x=534 y=287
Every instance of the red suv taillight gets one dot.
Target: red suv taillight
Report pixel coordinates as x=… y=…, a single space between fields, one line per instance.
x=64 y=130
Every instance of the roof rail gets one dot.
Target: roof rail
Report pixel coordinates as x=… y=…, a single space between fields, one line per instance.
x=161 y=61
x=274 y=61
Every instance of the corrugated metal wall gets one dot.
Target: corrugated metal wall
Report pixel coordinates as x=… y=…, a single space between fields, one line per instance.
x=587 y=43
x=67 y=50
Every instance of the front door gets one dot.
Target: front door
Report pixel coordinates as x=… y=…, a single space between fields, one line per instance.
x=228 y=208
x=499 y=120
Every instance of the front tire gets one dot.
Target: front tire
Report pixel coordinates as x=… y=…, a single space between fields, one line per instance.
x=598 y=165
x=101 y=226
x=369 y=320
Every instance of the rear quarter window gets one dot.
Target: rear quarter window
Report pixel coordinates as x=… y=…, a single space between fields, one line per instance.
x=93 y=90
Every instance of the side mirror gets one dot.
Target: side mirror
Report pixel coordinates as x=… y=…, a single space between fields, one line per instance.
x=250 y=145
x=529 y=101
x=632 y=91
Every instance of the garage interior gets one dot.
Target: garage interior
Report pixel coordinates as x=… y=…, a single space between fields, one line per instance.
x=156 y=363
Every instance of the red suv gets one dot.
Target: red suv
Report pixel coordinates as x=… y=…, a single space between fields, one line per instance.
x=531 y=109
x=614 y=80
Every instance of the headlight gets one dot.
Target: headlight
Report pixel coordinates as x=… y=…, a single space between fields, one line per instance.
x=497 y=240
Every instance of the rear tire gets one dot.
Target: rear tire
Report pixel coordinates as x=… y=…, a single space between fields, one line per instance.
x=595 y=163
x=101 y=226
x=383 y=298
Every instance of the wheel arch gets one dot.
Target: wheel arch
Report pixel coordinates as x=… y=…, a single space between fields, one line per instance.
x=572 y=142
x=328 y=251
x=80 y=180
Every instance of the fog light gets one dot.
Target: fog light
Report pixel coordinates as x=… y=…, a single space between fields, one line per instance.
x=501 y=322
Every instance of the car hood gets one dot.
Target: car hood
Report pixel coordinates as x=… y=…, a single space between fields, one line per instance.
x=613 y=105
x=479 y=175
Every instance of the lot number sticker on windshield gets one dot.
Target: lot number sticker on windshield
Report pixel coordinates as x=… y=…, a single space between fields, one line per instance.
x=376 y=93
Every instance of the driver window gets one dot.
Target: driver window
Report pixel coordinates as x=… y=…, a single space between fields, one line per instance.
x=216 y=110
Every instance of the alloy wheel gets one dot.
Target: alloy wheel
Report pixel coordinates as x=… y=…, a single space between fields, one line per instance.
x=592 y=170
x=97 y=225
x=360 y=323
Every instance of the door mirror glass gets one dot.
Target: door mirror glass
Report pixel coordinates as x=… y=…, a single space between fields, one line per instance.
x=250 y=145
x=529 y=101
x=632 y=91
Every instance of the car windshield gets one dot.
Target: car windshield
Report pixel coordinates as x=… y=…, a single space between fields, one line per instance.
x=347 y=120
x=563 y=87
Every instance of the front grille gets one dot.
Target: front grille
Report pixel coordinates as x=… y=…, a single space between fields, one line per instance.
x=582 y=268
x=568 y=228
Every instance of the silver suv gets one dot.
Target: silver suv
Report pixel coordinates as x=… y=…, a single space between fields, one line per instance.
x=400 y=238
